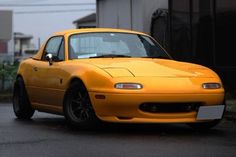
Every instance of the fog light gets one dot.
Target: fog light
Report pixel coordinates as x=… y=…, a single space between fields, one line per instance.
x=128 y=86
x=211 y=85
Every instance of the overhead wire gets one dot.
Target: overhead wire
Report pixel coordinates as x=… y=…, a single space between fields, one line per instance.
x=52 y=11
x=41 y=5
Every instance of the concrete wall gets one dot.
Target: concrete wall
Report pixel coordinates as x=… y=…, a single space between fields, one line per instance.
x=113 y=13
x=5 y=24
x=128 y=14
x=6 y=35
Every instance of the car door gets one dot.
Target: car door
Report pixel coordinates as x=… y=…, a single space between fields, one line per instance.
x=48 y=79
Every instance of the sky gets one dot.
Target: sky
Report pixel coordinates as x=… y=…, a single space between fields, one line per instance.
x=41 y=18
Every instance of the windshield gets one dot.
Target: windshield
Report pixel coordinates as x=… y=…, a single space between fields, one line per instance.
x=95 y=45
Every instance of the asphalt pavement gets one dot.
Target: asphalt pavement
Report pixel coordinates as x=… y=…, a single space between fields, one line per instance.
x=49 y=136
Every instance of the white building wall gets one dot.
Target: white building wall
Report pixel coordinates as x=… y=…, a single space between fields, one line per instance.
x=128 y=14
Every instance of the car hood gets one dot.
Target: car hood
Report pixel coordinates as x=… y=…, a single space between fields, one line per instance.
x=126 y=67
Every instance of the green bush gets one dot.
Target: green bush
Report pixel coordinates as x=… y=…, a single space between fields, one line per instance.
x=7 y=75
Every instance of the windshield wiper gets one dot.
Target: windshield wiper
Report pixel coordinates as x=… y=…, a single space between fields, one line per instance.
x=109 y=56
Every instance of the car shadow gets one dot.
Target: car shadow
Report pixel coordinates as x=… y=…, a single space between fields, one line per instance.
x=60 y=125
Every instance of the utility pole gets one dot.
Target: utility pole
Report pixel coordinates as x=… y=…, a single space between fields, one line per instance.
x=3 y=76
x=39 y=43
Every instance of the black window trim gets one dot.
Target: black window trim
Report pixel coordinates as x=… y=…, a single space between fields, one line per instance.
x=62 y=42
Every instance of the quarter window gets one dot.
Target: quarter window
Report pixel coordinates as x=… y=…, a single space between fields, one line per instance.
x=55 y=46
x=61 y=54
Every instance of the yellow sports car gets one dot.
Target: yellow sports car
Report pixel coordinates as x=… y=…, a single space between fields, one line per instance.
x=116 y=75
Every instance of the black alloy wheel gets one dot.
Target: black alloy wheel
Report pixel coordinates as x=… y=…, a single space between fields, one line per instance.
x=21 y=104
x=78 y=109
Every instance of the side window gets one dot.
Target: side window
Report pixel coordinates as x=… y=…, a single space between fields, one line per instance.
x=55 y=47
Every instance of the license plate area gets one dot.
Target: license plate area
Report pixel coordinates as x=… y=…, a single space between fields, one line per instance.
x=210 y=112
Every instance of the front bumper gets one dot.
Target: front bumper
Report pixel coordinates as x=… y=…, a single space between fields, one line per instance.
x=125 y=108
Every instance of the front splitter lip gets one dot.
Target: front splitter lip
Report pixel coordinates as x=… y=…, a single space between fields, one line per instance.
x=114 y=119
x=143 y=120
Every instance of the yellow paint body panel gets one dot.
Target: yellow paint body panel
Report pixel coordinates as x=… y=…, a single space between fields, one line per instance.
x=163 y=81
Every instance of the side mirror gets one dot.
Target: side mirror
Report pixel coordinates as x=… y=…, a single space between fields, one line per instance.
x=49 y=58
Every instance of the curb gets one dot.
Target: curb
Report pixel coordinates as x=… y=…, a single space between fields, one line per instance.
x=230 y=112
x=230 y=115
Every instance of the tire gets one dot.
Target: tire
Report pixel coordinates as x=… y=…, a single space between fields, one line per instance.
x=21 y=104
x=77 y=106
x=204 y=125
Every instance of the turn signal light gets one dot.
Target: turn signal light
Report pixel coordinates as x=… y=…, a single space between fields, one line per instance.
x=211 y=85
x=128 y=86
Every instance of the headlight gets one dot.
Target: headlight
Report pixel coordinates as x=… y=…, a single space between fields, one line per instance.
x=211 y=85
x=128 y=86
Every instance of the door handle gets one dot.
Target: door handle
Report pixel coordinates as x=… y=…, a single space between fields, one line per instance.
x=35 y=68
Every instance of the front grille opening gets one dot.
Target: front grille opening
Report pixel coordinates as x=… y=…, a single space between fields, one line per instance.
x=169 y=107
